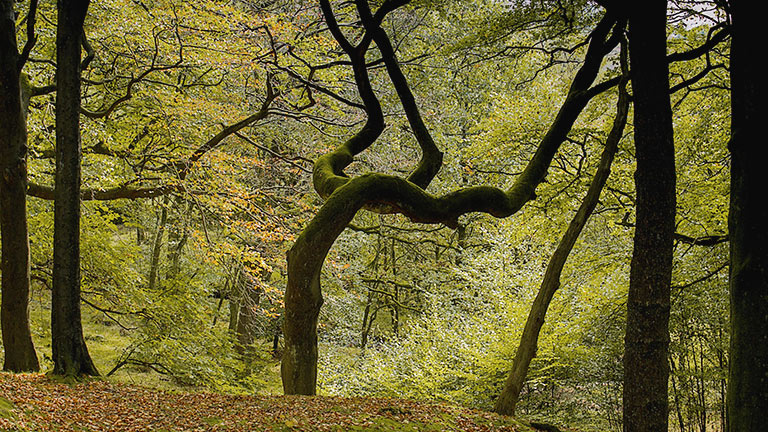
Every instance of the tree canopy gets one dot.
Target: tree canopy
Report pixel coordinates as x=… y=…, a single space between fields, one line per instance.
x=508 y=205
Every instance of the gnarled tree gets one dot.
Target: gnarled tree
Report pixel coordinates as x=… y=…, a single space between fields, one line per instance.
x=383 y=193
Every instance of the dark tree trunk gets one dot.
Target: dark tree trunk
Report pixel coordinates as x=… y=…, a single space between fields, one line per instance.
x=276 y=342
x=646 y=369
x=747 y=395
x=527 y=347
x=70 y=354
x=20 y=353
x=366 y=328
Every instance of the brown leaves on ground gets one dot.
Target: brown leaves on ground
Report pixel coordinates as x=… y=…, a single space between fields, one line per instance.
x=33 y=402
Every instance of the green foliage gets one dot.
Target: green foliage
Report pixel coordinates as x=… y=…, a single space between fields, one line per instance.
x=6 y=409
x=440 y=310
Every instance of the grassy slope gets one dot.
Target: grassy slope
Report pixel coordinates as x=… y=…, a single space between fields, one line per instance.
x=32 y=402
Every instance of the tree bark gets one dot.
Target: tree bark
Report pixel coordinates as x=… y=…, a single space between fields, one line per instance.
x=20 y=353
x=527 y=347
x=747 y=394
x=646 y=368
x=70 y=354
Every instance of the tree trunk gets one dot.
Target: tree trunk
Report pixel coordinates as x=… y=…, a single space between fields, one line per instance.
x=234 y=314
x=747 y=394
x=157 y=246
x=646 y=345
x=20 y=353
x=276 y=343
x=246 y=322
x=70 y=354
x=526 y=350
x=366 y=325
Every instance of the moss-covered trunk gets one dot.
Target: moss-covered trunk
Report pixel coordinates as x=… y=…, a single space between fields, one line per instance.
x=407 y=196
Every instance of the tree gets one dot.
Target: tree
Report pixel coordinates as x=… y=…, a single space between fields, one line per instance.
x=70 y=354
x=550 y=283
x=646 y=370
x=747 y=397
x=14 y=95
x=345 y=196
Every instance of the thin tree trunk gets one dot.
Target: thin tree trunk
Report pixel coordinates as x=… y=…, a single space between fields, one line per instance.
x=70 y=354
x=702 y=388
x=646 y=345
x=234 y=300
x=157 y=246
x=526 y=349
x=20 y=355
x=177 y=238
x=723 y=381
x=276 y=342
x=676 y=394
x=394 y=308
x=747 y=397
x=366 y=328
x=234 y=314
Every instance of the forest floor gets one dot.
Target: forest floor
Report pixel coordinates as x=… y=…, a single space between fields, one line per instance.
x=33 y=402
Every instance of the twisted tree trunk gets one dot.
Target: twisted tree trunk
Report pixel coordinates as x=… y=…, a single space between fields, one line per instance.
x=389 y=194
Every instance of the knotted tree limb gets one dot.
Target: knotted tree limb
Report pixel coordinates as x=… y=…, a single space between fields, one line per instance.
x=390 y=194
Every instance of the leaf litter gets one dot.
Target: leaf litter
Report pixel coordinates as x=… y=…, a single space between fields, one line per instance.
x=33 y=402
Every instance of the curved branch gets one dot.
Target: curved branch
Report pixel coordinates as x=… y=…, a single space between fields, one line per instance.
x=431 y=157
x=31 y=37
x=328 y=173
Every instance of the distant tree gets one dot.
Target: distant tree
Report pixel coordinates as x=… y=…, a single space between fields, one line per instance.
x=747 y=398
x=70 y=354
x=14 y=95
